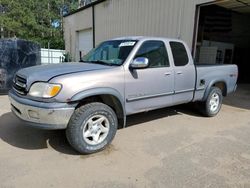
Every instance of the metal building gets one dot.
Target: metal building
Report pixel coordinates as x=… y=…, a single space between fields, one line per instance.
x=107 y=19
x=209 y=27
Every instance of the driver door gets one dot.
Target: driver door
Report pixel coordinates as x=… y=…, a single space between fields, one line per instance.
x=151 y=87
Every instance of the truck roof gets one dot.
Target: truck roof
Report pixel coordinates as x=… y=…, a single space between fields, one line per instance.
x=145 y=38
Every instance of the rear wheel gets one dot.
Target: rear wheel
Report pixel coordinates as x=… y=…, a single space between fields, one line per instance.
x=92 y=127
x=212 y=105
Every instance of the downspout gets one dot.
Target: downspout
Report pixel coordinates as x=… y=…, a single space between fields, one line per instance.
x=180 y=20
x=93 y=24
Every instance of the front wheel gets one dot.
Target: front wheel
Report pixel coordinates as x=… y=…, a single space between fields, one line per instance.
x=212 y=105
x=92 y=127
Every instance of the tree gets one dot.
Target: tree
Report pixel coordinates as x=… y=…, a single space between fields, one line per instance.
x=35 y=20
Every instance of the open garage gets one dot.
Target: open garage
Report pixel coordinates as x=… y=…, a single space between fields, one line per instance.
x=223 y=35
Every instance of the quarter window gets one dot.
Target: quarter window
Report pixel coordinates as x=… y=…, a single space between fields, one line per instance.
x=179 y=53
x=156 y=53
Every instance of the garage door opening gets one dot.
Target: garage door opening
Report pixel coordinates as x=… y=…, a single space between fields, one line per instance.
x=85 y=42
x=223 y=35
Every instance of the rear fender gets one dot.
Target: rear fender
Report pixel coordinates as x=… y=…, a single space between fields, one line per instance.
x=211 y=84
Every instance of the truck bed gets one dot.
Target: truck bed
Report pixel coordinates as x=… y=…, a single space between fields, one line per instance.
x=208 y=75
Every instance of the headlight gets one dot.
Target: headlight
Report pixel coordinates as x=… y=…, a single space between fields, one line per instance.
x=44 y=90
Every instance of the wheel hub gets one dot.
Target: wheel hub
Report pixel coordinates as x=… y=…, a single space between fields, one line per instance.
x=214 y=102
x=96 y=129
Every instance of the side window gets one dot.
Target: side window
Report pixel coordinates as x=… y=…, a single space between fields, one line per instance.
x=156 y=53
x=179 y=53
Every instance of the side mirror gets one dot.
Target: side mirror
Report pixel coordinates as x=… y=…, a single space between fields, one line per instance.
x=139 y=63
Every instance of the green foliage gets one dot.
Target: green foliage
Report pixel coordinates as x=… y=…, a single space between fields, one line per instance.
x=31 y=20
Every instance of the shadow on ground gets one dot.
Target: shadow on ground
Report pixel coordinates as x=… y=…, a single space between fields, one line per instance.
x=17 y=134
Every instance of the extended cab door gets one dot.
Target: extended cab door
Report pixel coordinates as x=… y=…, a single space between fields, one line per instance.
x=151 y=87
x=184 y=73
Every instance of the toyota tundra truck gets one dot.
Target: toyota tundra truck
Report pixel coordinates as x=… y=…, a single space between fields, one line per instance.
x=122 y=76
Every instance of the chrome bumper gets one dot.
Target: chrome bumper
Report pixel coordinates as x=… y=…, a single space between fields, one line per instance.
x=41 y=115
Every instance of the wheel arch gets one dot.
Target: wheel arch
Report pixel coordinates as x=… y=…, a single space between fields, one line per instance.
x=108 y=96
x=221 y=84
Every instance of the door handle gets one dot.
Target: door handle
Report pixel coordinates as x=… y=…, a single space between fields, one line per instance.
x=179 y=72
x=167 y=73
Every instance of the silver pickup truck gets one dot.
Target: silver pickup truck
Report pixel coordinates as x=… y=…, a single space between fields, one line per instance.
x=123 y=76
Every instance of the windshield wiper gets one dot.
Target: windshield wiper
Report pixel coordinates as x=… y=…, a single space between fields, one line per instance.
x=102 y=62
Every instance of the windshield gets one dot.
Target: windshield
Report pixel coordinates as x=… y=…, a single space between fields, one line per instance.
x=113 y=52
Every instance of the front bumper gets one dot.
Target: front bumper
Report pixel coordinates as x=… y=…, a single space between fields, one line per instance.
x=40 y=114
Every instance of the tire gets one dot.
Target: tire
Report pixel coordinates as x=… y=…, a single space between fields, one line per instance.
x=213 y=103
x=89 y=121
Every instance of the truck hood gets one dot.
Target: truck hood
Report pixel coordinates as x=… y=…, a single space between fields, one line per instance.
x=45 y=72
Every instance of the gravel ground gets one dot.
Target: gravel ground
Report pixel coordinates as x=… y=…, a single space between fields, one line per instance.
x=171 y=147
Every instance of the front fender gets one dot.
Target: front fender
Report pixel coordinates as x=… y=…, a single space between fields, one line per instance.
x=97 y=91
x=101 y=91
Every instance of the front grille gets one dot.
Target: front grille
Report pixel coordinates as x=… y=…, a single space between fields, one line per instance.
x=19 y=85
